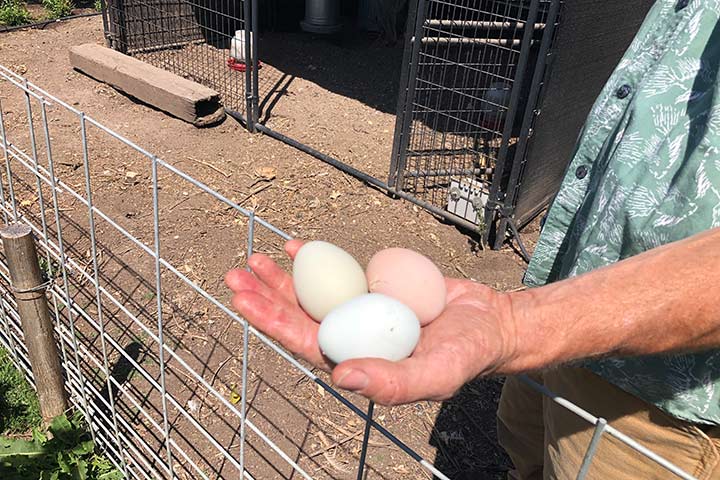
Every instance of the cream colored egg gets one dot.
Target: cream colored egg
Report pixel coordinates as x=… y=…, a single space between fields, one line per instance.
x=369 y=326
x=325 y=276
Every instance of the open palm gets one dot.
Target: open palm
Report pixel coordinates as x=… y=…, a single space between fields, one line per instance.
x=472 y=336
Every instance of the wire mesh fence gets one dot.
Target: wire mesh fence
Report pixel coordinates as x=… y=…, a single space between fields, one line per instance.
x=173 y=383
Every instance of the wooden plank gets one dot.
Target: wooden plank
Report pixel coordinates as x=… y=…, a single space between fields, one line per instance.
x=186 y=100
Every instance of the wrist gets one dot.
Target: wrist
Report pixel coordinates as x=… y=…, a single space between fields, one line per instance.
x=535 y=344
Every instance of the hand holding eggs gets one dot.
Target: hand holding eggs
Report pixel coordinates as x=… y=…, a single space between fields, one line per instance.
x=407 y=291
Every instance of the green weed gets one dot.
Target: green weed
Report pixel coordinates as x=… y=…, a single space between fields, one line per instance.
x=13 y=12
x=64 y=452
x=58 y=8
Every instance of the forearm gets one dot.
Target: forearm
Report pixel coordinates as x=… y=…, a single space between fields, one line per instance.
x=663 y=300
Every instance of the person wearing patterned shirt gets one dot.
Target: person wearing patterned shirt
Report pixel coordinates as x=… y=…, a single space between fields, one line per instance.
x=622 y=315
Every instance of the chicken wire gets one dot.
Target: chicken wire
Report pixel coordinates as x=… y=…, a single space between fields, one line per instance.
x=118 y=278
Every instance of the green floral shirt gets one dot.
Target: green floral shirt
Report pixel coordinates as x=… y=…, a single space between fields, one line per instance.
x=646 y=172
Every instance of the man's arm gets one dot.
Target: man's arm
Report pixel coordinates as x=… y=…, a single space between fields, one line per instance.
x=664 y=300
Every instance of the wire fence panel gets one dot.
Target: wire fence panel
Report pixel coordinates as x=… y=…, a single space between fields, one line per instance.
x=173 y=383
x=195 y=39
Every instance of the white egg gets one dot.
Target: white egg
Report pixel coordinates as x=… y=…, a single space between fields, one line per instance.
x=369 y=326
x=325 y=276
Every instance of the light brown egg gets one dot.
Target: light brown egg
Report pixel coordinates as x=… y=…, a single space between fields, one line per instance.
x=410 y=278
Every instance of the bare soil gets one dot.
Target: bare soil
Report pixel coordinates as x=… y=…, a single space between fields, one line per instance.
x=336 y=98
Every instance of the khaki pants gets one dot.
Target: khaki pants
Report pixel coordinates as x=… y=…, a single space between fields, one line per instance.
x=547 y=441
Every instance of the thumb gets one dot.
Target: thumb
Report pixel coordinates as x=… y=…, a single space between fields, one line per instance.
x=391 y=383
x=292 y=247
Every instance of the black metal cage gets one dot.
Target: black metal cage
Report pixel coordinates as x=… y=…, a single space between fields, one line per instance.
x=472 y=71
x=200 y=40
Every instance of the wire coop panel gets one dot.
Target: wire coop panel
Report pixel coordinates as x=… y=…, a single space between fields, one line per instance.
x=191 y=38
x=467 y=71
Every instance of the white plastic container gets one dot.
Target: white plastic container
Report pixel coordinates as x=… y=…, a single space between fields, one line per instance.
x=237 y=45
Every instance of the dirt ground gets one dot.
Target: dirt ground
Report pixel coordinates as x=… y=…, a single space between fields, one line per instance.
x=344 y=111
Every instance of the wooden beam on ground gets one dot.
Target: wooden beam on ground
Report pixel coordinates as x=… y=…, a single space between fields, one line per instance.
x=186 y=100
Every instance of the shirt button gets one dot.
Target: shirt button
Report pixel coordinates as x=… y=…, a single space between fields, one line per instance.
x=681 y=4
x=623 y=91
x=581 y=172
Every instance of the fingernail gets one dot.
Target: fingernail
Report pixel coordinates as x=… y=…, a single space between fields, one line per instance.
x=353 y=380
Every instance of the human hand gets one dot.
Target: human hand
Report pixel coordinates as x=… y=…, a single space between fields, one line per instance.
x=473 y=336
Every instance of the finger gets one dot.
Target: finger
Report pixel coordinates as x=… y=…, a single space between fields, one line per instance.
x=394 y=383
x=291 y=327
x=242 y=280
x=238 y=279
x=270 y=273
x=292 y=247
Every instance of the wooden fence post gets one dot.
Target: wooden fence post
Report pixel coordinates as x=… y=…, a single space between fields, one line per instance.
x=32 y=306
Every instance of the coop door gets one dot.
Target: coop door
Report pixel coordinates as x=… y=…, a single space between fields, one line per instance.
x=464 y=83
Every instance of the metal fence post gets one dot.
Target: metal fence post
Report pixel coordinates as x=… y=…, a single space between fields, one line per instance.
x=29 y=290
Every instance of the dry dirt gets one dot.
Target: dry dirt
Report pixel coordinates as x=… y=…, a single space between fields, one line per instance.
x=339 y=100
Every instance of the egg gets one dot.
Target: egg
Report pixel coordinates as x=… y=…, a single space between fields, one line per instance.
x=325 y=276
x=411 y=278
x=369 y=326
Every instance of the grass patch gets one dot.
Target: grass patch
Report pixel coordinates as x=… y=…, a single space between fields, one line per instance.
x=19 y=408
x=13 y=12
x=58 y=8
x=64 y=452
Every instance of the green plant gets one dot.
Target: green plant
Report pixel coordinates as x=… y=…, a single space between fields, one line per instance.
x=13 y=12
x=48 y=269
x=98 y=5
x=19 y=408
x=58 y=8
x=64 y=452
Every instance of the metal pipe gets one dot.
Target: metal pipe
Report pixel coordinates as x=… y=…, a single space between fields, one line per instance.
x=254 y=27
x=366 y=440
x=48 y=22
x=447 y=173
x=521 y=150
x=404 y=117
x=501 y=165
x=250 y=64
x=166 y=46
